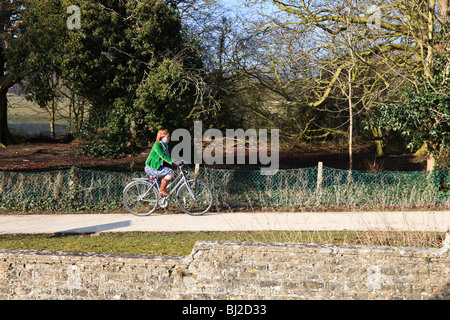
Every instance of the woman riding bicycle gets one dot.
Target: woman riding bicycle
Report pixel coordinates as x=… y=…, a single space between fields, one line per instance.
x=154 y=163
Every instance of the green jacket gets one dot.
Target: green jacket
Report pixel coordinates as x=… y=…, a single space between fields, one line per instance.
x=157 y=156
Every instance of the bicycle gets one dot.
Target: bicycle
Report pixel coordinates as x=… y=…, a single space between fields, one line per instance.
x=141 y=196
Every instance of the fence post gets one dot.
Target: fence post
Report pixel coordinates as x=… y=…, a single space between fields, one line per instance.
x=197 y=168
x=74 y=186
x=319 y=176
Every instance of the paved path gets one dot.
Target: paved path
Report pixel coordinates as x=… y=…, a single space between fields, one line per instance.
x=294 y=221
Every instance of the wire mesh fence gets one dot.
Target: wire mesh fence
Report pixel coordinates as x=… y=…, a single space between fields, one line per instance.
x=81 y=190
x=336 y=188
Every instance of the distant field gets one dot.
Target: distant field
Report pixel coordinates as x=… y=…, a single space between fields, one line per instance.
x=28 y=118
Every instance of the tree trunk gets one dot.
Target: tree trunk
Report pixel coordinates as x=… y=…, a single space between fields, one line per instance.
x=443 y=6
x=425 y=150
x=6 y=138
x=6 y=82
x=52 y=118
x=431 y=162
x=69 y=121
x=376 y=132
x=350 y=125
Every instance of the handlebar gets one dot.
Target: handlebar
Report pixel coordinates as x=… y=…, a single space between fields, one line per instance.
x=183 y=164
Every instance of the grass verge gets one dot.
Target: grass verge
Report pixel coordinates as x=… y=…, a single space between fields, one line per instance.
x=181 y=243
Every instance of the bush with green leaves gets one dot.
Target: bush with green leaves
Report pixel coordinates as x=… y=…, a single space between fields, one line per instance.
x=148 y=77
x=422 y=113
x=130 y=60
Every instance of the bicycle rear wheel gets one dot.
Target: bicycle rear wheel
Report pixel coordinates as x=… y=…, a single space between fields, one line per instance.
x=200 y=203
x=140 y=198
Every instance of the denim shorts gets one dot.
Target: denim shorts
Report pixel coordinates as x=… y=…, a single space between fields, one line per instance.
x=161 y=172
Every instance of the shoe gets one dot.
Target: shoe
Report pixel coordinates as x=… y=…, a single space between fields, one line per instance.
x=162 y=189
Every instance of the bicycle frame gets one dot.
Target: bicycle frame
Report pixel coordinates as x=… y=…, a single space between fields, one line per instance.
x=178 y=181
x=143 y=192
x=182 y=179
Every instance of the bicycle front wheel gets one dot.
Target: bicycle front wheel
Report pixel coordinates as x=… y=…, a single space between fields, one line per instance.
x=140 y=198
x=195 y=197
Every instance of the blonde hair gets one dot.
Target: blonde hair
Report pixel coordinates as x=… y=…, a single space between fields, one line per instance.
x=161 y=133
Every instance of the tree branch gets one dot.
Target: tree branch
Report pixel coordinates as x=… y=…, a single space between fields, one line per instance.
x=6 y=82
x=316 y=19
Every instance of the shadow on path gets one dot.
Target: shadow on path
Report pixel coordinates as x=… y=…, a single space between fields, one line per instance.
x=99 y=227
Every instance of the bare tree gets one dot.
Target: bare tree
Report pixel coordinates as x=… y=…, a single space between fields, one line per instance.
x=379 y=44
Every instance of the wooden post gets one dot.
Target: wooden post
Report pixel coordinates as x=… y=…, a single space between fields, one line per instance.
x=319 y=176
x=197 y=168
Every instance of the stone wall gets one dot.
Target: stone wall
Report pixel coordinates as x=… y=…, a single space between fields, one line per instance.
x=230 y=270
x=75 y=275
